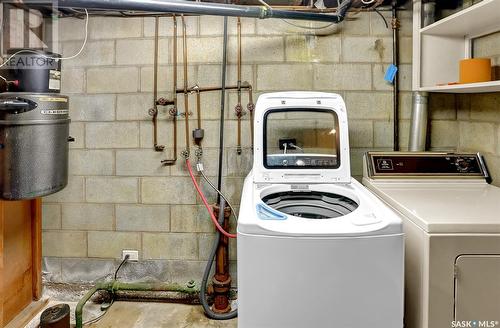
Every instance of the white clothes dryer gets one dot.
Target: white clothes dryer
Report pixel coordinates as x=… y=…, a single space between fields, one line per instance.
x=451 y=222
x=315 y=248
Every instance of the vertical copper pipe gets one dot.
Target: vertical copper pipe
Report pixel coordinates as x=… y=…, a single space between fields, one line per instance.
x=198 y=108
x=173 y=110
x=239 y=108
x=186 y=95
x=250 y=108
x=156 y=146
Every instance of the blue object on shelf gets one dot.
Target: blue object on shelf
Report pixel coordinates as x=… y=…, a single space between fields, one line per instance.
x=390 y=74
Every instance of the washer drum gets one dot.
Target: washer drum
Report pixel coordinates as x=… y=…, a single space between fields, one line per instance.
x=34 y=136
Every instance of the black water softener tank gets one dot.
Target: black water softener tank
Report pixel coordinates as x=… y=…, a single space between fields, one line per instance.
x=34 y=136
x=32 y=70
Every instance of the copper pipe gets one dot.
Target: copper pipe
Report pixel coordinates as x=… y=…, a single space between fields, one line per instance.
x=198 y=133
x=239 y=56
x=198 y=108
x=244 y=86
x=154 y=112
x=173 y=110
x=239 y=108
x=250 y=108
x=186 y=94
x=165 y=102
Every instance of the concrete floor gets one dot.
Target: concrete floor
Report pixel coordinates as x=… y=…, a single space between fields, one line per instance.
x=146 y=315
x=158 y=315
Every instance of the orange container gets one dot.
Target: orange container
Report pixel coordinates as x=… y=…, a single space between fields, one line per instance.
x=475 y=70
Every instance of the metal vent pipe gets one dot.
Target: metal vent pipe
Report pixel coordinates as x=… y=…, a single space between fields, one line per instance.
x=419 y=122
x=200 y=8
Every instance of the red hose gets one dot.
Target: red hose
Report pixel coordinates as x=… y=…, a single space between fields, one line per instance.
x=205 y=202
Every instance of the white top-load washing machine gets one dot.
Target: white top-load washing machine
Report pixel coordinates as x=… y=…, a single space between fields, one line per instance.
x=451 y=219
x=315 y=248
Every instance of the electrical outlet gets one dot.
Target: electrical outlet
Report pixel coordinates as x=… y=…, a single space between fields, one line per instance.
x=133 y=255
x=289 y=142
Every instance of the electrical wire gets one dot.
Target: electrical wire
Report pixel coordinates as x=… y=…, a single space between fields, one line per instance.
x=125 y=259
x=88 y=322
x=382 y=16
x=205 y=202
x=308 y=27
x=50 y=57
x=99 y=317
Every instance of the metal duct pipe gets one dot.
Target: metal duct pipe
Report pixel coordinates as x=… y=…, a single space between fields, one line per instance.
x=419 y=121
x=199 y=8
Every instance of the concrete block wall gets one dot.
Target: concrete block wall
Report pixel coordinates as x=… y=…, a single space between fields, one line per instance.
x=120 y=197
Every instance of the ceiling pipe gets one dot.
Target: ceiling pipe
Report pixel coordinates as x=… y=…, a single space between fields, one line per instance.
x=200 y=8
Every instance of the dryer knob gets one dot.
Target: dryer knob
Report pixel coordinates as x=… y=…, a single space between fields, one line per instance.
x=463 y=165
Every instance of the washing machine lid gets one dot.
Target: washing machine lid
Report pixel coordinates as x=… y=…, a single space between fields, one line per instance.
x=316 y=210
x=301 y=137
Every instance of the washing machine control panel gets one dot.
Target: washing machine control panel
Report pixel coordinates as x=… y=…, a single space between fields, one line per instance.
x=302 y=160
x=407 y=164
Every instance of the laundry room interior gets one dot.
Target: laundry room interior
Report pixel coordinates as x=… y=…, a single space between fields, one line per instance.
x=252 y=164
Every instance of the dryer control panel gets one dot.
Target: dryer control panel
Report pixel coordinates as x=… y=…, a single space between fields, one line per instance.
x=425 y=164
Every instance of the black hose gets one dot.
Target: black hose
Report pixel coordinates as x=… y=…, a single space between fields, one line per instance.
x=222 y=109
x=220 y=200
x=395 y=62
x=206 y=275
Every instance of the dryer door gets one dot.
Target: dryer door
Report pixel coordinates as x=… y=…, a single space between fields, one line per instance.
x=477 y=289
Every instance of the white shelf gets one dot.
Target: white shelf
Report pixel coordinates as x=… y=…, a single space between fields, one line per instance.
x=479 y=19
x=439 y=47
x=493 y=86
